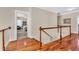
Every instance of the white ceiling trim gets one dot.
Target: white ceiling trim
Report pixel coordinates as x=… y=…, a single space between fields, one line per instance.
x=69 y=12
x=48 y=10
x=59 y=13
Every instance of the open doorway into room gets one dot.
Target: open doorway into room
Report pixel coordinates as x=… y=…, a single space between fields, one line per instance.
x=22 y=24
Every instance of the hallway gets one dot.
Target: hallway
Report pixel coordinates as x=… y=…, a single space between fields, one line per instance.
x=67 y=44
x=32 y=30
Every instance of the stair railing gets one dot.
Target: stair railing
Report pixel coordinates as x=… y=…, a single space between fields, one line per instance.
x=58 y=27
x=3 y=40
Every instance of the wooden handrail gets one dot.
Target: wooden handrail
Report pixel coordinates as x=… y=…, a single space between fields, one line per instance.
x=54 y=27
x=5 y=29
x=3 y=41
x=42 y=29
x=50 y=28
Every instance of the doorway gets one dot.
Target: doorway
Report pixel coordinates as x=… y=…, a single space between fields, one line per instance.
x=22 y=24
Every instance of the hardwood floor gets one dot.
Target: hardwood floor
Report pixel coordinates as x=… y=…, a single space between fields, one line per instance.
x=25 y=44
x=28 y=44
x=67 y=44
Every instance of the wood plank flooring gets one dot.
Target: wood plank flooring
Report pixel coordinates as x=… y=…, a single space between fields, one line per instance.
x=29 y=44
x=67 y=44
x=25 y=44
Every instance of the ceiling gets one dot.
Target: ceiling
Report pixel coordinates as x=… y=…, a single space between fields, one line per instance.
x=61 y=10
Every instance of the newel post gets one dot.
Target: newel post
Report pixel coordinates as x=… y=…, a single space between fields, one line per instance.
x=70 y=31
x=3 y=43
x=40 y=38
x=60 y=33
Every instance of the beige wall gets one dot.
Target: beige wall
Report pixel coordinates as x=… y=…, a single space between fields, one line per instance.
x=73 y=17
x=43 y=18
x=39 y=18
x=7 y=18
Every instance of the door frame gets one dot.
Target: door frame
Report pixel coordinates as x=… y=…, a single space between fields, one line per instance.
x=28 y=23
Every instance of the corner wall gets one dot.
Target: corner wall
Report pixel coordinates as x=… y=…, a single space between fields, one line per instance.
x=73 y=17
x=45 y=19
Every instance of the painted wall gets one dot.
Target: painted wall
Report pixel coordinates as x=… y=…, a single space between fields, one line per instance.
x=39 y=18
x=73 y=17
x=7 y=18
x=45 y=19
